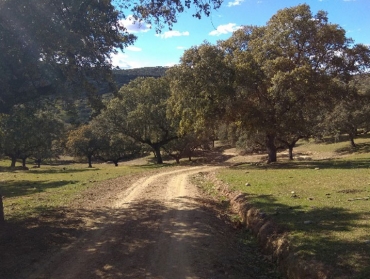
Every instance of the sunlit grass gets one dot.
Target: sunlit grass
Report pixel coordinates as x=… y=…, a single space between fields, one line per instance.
x=52 y=186
x=324 y=204
x=341 y=145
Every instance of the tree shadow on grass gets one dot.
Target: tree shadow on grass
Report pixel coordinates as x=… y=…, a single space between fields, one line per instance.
x=147 y=239
x=61 y=170
x=317 y=164
x=17 y=188
x=341 y=138
x=360 y=148
x=315 y=232
x=47 y=171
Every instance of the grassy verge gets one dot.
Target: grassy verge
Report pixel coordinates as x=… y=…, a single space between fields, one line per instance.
x=246 y=242
x=324 y=204
x=52 y=186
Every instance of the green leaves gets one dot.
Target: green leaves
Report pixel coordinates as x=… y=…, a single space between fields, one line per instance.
x=277 y=80
x=50 y=46
x=164 y=12
x=200 y=86
x=29 y=132
x=139 y=112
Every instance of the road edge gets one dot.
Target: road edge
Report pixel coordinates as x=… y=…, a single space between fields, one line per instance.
x=272 y=239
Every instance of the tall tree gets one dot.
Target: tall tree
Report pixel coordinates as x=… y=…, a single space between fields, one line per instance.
x=347 y=117
x=84 y=142
x=274 y=78
x=201 y=86
x=65 y=46
x=48 y=132
x=304 y=58
x=27 y=132
x=48 y=43
x=139 y=111
x=116 y=146
x=185 y=146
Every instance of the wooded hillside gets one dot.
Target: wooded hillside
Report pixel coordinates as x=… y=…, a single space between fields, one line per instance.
x=123 y=77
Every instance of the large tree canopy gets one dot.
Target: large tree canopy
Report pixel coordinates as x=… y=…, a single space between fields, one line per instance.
x=201 y=87
x=84 y=142
x=28 y=132
x=164 y=12
x=50 y=45
x=302 y=60
x=139 y=111
x=272 y=80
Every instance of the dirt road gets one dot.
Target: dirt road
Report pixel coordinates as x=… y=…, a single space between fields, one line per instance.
x=154 y=226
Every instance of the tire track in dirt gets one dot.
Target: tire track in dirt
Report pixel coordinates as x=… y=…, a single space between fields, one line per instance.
x=130 y=239
x=136 y=189
x=157 y=227
x=173 y=255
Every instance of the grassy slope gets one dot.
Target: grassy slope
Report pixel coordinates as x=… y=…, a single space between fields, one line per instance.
x=324 y=204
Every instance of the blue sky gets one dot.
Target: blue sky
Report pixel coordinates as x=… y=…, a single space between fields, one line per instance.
x=165 y=49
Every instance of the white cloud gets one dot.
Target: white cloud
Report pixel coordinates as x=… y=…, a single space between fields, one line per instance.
x=180 y=47
x=133 y=26
x=119 y=59
x=133 y=48
x=123 y=61
x=235 y=3
x=224 y=29
x=172 y=33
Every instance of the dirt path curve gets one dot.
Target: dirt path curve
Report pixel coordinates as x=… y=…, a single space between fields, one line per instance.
x=156 y=227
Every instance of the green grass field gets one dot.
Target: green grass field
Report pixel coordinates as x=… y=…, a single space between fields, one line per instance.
x=51 y=186
x=323 y=204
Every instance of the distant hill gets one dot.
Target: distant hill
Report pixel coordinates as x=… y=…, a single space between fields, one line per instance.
x=123 y=77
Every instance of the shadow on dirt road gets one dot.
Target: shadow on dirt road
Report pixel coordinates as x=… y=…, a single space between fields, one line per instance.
x=131 y=242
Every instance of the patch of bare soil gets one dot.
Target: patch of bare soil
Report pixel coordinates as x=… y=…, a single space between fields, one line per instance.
x=157 y=225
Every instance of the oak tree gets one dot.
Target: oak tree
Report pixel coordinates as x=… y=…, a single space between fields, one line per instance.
x=115 y=146
x=271 y=79
x=28 y=132
x=139 y=111
x=56 y=46
x=84 y=142
x=51 y=46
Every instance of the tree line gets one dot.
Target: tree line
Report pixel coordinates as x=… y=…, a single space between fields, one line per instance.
x=264 y=88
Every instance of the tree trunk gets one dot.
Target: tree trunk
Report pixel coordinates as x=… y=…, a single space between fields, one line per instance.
x=290 y=152
x=2 y=217
x=290 y=145
x=115 y=163
x=271 y=148
x=24 y=162
x=352 y=140
x=89 y=160
x=177 y=157
x=158 y=155
x=14 y=161
x=38 y=162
